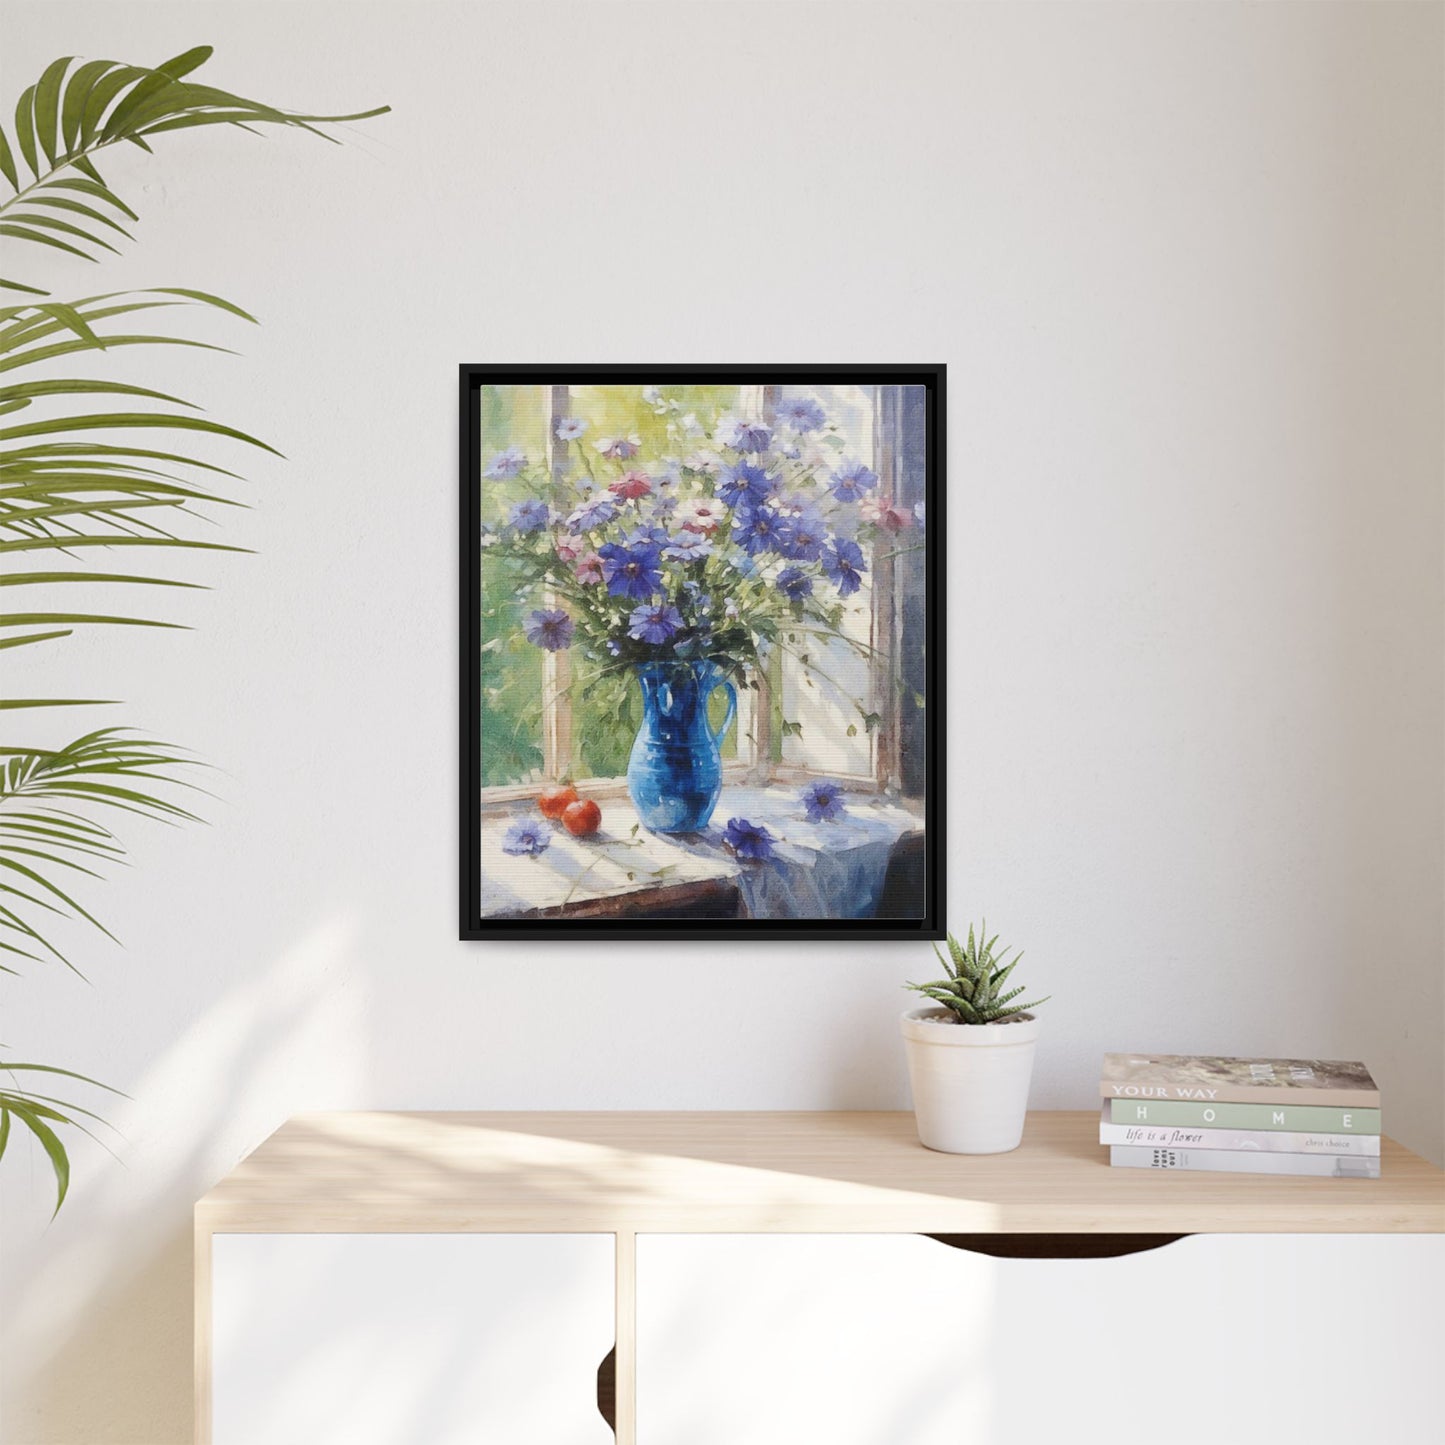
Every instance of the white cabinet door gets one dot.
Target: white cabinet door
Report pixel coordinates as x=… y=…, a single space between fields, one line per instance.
x=900 y=1340
x=410 y=1339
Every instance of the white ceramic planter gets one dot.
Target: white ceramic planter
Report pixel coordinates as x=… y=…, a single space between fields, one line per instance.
x=970 y=1081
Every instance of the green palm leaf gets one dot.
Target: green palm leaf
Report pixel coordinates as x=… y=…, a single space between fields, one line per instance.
x=34 y=390
x=107 y=768
x=69 y=116
x=39 y=1113
x=116 y=420
x=46 y=579
x=63 y=491
x=72 y=482
x=30 y=1114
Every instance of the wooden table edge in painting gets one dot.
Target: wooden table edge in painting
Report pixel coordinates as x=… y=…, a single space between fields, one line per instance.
x=679 y=1172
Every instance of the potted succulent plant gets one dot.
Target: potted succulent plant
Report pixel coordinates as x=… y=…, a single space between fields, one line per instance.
x=970 y=1058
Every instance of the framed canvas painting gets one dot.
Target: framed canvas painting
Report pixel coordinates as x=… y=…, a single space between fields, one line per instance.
x=702 y=623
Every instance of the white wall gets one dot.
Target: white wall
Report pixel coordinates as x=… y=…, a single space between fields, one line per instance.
x=1183 y=263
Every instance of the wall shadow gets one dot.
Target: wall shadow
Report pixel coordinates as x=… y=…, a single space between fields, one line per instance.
x=97 y=1337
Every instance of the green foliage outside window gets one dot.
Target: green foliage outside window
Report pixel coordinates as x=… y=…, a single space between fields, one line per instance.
x=606 y=709
x=511 y=668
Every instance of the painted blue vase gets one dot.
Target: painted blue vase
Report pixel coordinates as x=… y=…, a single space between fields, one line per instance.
x=674 y=775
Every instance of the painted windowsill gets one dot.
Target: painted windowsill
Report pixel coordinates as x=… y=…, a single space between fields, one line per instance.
x=502 y=799
x=818 y=869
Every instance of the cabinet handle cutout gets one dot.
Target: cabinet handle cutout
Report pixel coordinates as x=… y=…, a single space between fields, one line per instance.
x=1056 y=1246
x=607 y=1389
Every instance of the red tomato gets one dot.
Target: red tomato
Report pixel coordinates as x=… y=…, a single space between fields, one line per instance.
x=582 y=818
x=553 y=802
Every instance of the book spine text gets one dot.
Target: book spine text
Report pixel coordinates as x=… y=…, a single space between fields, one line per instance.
x=1231 y=1161
x=1267 y=1141
x=1298 y=1118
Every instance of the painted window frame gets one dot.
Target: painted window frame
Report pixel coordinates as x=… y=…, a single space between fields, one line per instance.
x=899 y=477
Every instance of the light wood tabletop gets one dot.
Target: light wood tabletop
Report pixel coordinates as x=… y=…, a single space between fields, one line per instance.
x=638 y=1173
x=747 y=1172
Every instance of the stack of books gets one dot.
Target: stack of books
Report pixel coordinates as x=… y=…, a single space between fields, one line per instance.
x=1241 y=1116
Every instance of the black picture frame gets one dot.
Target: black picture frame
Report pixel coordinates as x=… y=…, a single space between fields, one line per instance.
x=473 y=925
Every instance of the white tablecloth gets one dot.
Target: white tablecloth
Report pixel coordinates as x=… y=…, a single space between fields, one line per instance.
x=818 y=870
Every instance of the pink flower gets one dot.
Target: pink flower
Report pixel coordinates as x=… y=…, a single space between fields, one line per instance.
x=702 y=517
x=632 y=486
x=569 y=549
x=885 y=515
x=588 y=569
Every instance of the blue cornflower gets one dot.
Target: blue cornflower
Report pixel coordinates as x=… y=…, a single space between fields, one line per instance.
x=664 y=507
x=650 y=535
x=823 y=801
x=526 y=840
x=849 y=483
x=631 y=571
x=570 y=428
x=757 y=529
x=743 y=483
x=803 y=533
x=844 y=564
x=592 y=514
x=530 y=516
x=794 y=584
x=745 y=436
x=748 y=840
x=688 y=547
x=801 y=414
x=744 y=566
x=620 y=449
x=654 y=623
x=507 y=463
x=551 y=629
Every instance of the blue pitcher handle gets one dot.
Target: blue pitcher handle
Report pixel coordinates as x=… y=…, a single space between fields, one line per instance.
x=731 y=713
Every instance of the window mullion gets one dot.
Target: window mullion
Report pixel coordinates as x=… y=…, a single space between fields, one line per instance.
x=557 y=753
x=884 y=625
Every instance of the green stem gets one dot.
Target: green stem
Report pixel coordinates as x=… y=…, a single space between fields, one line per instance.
x=901 y=552
x=54 y=171
x=864 y=649
x=827 y=677
x=586 y=461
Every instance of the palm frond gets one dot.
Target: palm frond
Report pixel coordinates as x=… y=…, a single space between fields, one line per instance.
x=75 y=111
x=73 y=481
x=40 y=1113
x=108 y=769
x=63 y=489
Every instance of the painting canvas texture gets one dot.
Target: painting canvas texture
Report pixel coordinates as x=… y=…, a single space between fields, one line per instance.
x=699 y=669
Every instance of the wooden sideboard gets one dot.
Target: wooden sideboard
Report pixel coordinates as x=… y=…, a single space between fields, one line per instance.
x=624 y=1183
